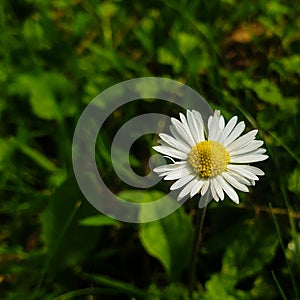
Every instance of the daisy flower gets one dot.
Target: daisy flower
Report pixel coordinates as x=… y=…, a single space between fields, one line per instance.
x=210 y=163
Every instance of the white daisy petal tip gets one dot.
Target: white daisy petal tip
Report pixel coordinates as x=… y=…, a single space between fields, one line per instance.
x=217 y=113
x=205 y=200
x=236 y=200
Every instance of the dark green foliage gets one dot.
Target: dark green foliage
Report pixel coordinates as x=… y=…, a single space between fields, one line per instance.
x=55 y=57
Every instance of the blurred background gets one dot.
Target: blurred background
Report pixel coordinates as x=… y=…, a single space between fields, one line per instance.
x=55 y=57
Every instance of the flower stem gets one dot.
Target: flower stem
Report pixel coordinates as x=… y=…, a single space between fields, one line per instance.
x=200 y=216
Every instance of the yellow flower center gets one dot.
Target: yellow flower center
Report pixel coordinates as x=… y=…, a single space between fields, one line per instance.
x=209 y=158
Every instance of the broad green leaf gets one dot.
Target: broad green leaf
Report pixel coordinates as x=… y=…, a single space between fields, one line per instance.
x=41 y=98
x=270 y=93
x=98 y=220
x=267 y=91
x=140 y=196
x=170 y=241
x=44 y=89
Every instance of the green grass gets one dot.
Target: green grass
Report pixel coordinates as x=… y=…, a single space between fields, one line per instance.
x=55 y=57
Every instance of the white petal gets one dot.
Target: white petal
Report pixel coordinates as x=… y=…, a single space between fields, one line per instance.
x=182 y=181
x=209 y=121
x=179 y=132
x=236 y=132
x=248 y=158
x=254 y=170
x=217 y=113
x=176 y=166
x=229 y=190
x=187 y=128
x=213 y=190
x=174 y=175
x=170 y=167
x=176 y=144
x=205 y=199
x=221 y=123
x=244 y=139
x=218 y=186
x=231 y=180
x=197 y=186
x=178 y=137
x=213 y=128
x=198 y=117
x=240 y=170
x=230 y=125
x=170 y=158
x=205 y=187
x=259 y=151
x=239 y=178
x=170 y=152
x=186 y=190
x=250 y=147
x=196 y=126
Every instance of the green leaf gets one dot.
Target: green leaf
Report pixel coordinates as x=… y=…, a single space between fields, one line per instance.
x=267 y=91
x=170 y=241
x=144 y=33
x=34 y=32
x=36 y=156
x=57 y=178
x=294 y=181
x=220 y=287
x=165 y=56
x=98 y=220
x=291 y=63
x=44 y=89
x=106 y=10
x=41 y=97
x=171 y=292
x=186 y=42
x=140 y=196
